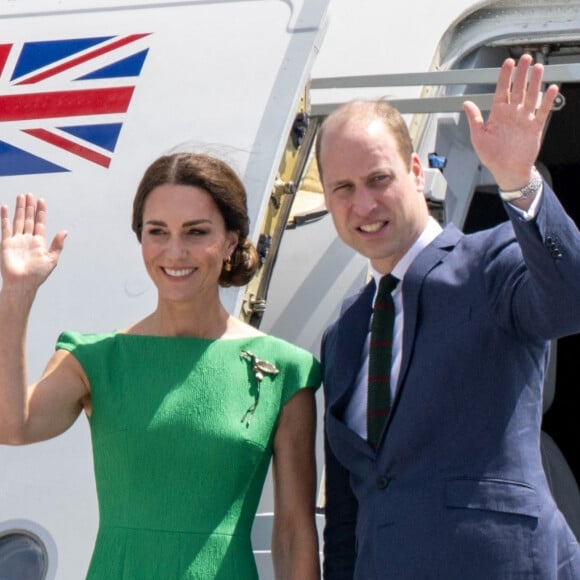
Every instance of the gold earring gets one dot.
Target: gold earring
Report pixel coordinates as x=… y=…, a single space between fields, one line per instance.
x=228 y=264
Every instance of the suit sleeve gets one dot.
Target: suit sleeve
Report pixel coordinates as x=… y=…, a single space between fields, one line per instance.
x=340 y=512
x=551 y=267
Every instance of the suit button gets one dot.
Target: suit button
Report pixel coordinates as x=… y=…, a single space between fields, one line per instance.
x=383 y=482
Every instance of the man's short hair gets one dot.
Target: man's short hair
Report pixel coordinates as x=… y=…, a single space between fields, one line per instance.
x=367 y=111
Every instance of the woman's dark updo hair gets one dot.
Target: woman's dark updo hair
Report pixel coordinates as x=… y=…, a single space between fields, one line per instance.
x=221 y=182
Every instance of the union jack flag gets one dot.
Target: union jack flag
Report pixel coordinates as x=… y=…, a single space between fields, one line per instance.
x=66 y=95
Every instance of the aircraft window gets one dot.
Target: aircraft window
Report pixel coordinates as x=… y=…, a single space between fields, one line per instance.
x=22 y=556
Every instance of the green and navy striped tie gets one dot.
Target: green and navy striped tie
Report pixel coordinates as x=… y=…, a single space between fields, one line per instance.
x=380 y=352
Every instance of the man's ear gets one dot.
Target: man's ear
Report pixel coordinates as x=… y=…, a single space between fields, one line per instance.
x=418 y=173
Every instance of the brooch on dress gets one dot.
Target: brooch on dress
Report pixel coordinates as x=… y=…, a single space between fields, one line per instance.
x=260 y=368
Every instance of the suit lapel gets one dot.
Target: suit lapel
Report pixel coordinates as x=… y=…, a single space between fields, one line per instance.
x=353 y=327
x=350 y=335
x=433 y=255
x=429 y=258
x=352 y=331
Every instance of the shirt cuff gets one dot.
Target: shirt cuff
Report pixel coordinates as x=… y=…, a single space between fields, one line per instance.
x=531 y=212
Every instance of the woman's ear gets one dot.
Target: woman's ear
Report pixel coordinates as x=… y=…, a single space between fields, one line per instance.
x=232 y=240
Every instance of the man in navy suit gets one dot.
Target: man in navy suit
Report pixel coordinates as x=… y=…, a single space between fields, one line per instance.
x=454 y=489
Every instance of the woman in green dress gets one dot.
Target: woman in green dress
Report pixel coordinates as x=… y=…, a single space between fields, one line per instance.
x=187 y=406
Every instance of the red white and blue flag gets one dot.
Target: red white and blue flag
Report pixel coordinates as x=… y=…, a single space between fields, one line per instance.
x=65 y=96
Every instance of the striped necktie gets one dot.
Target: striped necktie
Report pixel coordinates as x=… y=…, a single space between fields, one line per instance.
x=379 y=390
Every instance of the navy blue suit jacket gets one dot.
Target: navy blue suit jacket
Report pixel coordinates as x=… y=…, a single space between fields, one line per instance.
x=456 y=489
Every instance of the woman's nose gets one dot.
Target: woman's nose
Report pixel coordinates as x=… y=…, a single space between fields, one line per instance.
x=175 y=248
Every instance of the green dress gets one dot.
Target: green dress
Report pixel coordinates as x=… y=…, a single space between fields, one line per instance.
x=182 y=434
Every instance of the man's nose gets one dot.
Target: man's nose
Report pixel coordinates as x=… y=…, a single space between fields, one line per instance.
x=364 y=201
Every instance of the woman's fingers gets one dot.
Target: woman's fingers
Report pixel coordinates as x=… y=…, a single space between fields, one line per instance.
x=40 y=218
x=19 y=209
x=29 y=217
x=29 y=214
x=5 y=222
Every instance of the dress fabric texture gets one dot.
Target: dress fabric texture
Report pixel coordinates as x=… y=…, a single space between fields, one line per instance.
x=179 y=458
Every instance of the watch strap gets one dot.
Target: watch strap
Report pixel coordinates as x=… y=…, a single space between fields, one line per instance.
x=529 y=190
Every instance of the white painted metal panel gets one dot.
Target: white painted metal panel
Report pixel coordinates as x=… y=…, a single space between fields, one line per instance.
x=219 y=76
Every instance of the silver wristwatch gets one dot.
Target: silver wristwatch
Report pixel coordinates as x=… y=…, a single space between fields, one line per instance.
x=528 y=190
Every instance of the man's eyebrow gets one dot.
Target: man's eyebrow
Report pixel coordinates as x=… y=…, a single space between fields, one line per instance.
x=339 y=182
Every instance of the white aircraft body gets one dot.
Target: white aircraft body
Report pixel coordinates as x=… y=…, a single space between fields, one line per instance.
x=92 y=91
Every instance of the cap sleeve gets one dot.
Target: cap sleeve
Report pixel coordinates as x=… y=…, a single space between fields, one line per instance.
x=303 y=371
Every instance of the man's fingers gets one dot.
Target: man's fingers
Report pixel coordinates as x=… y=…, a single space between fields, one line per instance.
x=519 y=89
x=534 y=87
x=547 y=103
x=473 y=114
x=502 y=91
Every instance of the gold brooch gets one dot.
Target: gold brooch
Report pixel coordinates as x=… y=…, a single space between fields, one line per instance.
x=260 y=368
